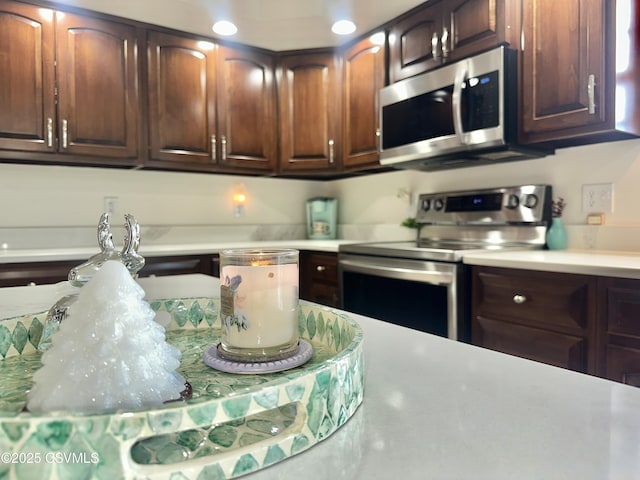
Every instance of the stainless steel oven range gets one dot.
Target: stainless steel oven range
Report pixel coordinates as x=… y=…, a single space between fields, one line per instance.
x=424 y=284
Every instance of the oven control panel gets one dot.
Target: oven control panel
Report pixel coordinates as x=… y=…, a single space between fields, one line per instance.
x=527 y=204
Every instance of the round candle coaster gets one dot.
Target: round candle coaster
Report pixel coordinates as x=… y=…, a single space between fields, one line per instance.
x=212 y=358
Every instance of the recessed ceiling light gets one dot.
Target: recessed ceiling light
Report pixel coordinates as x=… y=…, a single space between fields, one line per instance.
x=225 y=27
x=343 y=27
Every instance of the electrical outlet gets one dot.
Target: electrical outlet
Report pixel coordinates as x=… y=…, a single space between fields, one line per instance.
x=110 y=205
x=597 y=198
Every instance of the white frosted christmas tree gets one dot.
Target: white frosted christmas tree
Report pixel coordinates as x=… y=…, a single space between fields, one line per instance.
x=109 y=352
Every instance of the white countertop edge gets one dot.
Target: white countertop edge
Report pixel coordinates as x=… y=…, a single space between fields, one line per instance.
x=83 y=253
x=585 y=262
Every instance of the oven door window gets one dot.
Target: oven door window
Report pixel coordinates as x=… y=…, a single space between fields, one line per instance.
x=411 y=304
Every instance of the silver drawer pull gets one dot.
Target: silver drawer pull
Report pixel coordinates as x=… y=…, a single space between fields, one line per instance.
x=49 y=132
x=331 y=151
x=591 y=93
x=65 y=133
x=519 y=299
x=321 y=268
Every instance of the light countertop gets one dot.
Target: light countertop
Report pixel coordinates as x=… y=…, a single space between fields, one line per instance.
x=83 y=253
x=436 y=408
x=588 y=262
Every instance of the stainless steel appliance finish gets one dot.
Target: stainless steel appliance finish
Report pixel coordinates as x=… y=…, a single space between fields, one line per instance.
x=457 y=115
x=424 y=284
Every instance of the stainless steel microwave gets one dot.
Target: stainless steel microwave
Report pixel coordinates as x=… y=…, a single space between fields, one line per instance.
x=460 y=114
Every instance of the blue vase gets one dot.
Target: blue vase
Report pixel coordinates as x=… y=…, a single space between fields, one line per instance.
x=556 y=235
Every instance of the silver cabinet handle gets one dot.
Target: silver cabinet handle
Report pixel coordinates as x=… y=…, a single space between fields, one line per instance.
x=213 y=148
x=591 y=93
x=444 y=41
x=65 y=134
x=434 y=46
x=519 y=299
x=320 y=268
x=49 y=132
x=331 y=151
x=223 y=147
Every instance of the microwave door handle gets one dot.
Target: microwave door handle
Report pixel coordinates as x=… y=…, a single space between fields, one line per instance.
x=456 y=102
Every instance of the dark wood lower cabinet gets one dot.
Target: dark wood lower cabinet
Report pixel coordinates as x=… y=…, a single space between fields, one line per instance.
x=580 y=322
x=542 y=316
x=40 y=273
x=319 y=278
x=177 y=265
x=34 y=273
x=620 y=327
x=561 y=350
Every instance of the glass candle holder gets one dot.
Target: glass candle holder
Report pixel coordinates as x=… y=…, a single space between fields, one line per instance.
x=259 y=304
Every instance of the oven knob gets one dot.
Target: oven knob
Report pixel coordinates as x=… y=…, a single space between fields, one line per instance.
x=513 y=201
x=438 y=204
x=425 y=205
x=531 y=200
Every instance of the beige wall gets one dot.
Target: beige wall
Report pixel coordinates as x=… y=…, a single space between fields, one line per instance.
x=35 y=196
x=374 y=198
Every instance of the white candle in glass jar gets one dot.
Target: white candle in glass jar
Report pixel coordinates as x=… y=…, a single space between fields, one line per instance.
x=265 y=301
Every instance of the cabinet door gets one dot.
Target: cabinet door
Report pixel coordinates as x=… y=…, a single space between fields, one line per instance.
x=98 y=111
x=182 y=101
x=247 y=129
x=309 y=110
x=477 y=25
x=414 y=43
x=620 y=327
x=27 y=105
x=363 y=78
x=563 y=63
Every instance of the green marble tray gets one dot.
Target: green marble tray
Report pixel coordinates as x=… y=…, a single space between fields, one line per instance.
x=233 y=424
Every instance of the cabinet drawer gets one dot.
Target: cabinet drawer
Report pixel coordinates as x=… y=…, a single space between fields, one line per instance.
x=322 y=267
x=557 y=349
x=534 y=298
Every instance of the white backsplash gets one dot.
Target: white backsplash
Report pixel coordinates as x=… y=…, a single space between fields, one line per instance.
x=48 y=207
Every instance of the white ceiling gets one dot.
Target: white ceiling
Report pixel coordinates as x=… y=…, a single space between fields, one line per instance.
x=272 y=24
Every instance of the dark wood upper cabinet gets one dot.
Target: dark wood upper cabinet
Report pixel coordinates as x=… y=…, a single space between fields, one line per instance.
x=98 y=111
x=580 y=73
x=247 y=117
x=309 y=97
x=414 y=42
x=211 y=107
x=27 y=83
x=182 y=100
x=561 y=66
x=73 y=92
x=363 y=77
x=449 y=30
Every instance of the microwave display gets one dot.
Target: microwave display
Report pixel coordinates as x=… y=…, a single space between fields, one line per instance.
x=430 y=115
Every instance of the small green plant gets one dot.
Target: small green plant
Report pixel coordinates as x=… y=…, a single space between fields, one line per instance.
x=410 y=222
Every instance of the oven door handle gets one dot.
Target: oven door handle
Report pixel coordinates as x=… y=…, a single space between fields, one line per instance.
x=433 y=275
